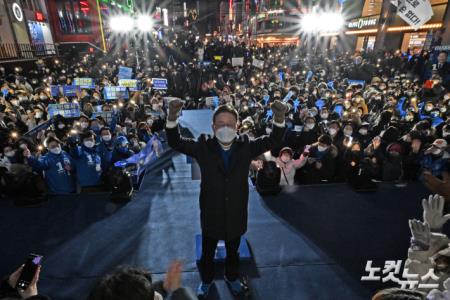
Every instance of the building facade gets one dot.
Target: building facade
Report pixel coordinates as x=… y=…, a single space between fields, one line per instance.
x=25 y=30
x=365 y=30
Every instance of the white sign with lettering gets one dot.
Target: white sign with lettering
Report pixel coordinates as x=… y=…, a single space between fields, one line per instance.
x=415 y=12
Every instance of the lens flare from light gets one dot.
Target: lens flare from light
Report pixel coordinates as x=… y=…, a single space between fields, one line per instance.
x=144 y=23
x=121 y=23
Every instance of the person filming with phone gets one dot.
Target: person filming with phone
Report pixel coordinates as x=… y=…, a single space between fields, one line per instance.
x=224 y=159
x=22 y=284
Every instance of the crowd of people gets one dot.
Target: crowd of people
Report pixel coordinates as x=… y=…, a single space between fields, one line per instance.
x=358 y=117
x=378 y=116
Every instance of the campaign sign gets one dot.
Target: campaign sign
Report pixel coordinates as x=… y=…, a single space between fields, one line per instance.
x=125 y=72
x=131 y=84
x=67 y=110
x=106 y=115
x=159 y=83
x=55 y=90
x=115 y=92
x=237 y=61
x=356 y=82
x=71 y=90
x=84 y=83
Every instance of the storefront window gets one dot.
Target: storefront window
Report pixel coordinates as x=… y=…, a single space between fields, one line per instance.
x=74 y=16
x=414 y=39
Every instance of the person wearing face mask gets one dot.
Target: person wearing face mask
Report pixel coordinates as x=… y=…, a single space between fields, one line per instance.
x=83 y=122
x=364 y=137
x=334 y=131
x=121 y=149
x=87 y=161
x=287 y=164
x=105 y=148
x=324 y=114
x=321 y=162
x=308 y=136
x=435 y=158
x=224 y=160
x=413 y=144
x=392 y=168
x=57 y=166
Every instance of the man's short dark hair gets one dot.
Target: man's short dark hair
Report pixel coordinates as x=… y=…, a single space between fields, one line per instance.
x=225 y=108
x=399 y=294
x=125 y=283
x=325 y=139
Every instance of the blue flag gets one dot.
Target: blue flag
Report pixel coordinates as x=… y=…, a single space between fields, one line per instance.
x=320 y=103
x=309 y=75
x=400 y=107
x=296 y=104
x=269 y=114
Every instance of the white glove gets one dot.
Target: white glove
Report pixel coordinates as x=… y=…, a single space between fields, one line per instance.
x=433 y=212
x=420 y=232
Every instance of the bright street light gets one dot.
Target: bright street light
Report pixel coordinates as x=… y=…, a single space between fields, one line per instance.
x=144 y=23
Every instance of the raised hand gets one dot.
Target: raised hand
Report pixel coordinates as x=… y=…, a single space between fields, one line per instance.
x=172 y=281
x=420 y=232
x=175 y=107
x=433 y=212
x=279 y=110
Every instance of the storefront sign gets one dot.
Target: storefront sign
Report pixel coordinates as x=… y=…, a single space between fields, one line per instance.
x=361 y=23
x=442 y=48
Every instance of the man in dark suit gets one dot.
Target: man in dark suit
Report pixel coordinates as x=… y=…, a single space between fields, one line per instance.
x=224 y=161
x=443 y=69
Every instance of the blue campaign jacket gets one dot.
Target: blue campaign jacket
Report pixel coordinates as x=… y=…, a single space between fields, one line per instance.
x=87 y=165
x=59 y=180
x=105 y=150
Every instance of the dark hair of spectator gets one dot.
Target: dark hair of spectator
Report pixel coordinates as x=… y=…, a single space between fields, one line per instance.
x=125 y=283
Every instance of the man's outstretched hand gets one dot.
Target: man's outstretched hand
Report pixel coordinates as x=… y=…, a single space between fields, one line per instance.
x=438 y=186
x=175 y=107
x=279 y=110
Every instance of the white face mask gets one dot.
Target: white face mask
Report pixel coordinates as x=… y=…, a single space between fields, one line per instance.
x=150 y=122
x=268 y=130
x=321 y=148
x=84 y=125
x=363 y=131
x=56 y=150
x=38 y=115
x=88 y=144
x=324 y=116
x=332 y=131
x=155 y=106
x=106 y=138
x=225 y=134
x=348 y=132
x=10 y=153
x=61 y=126
x=437 y=152
x=310 y=125
x=158 y=296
